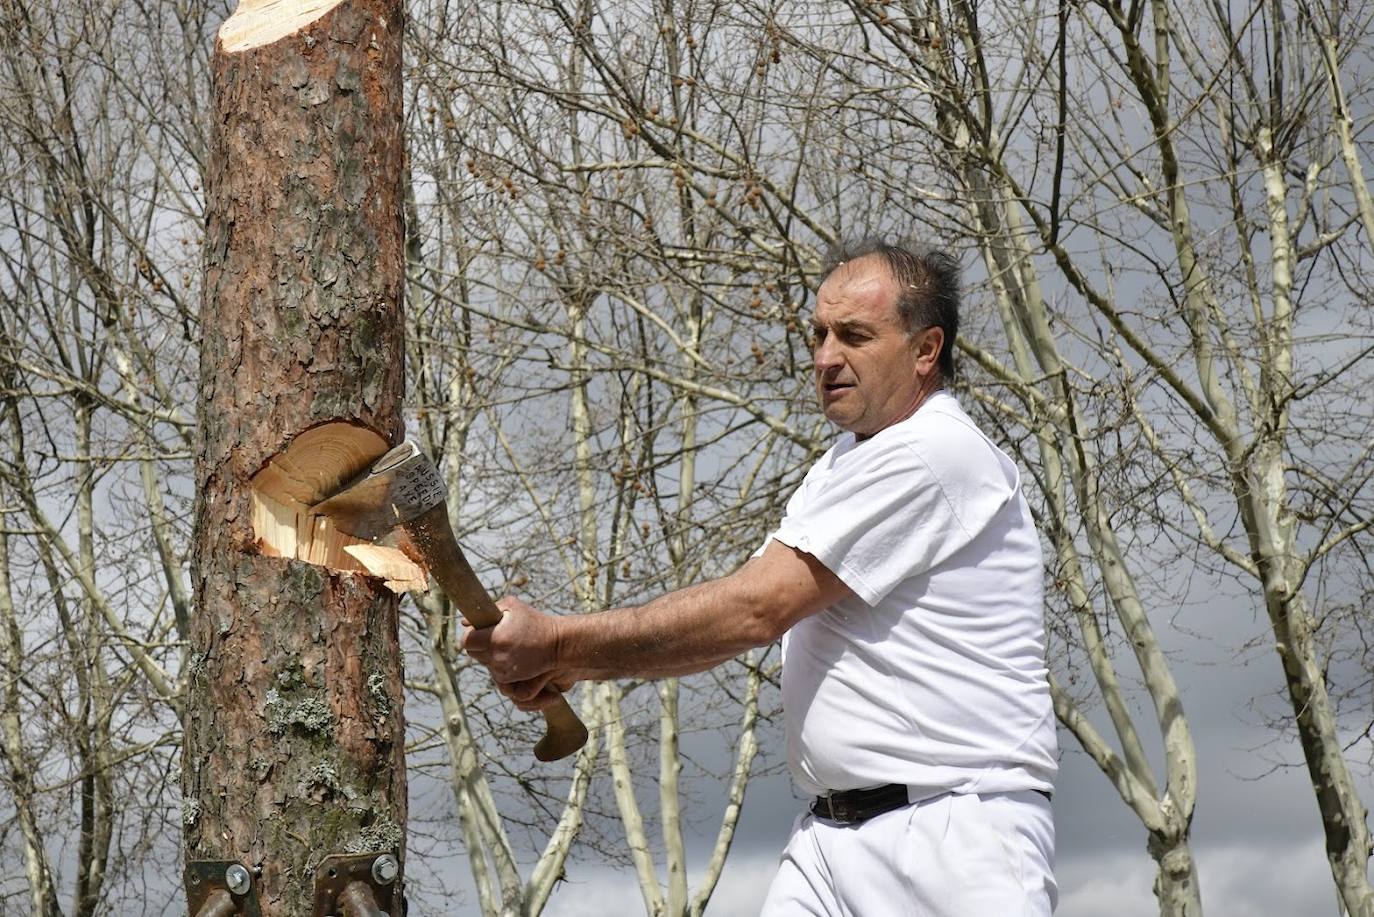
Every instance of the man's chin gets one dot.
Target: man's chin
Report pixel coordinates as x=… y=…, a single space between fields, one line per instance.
x=842 y=419
x=851 y=424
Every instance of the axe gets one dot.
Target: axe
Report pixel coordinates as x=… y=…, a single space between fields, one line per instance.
x=404 y=490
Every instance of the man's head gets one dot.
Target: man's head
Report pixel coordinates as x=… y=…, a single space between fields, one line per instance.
x=885 y=321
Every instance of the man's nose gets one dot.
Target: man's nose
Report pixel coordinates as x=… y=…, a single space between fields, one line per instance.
x=827 y=356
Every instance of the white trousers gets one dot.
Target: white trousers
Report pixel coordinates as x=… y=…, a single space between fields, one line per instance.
x=957 y=855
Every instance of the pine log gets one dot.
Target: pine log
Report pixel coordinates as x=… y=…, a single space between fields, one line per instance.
x=294 y=732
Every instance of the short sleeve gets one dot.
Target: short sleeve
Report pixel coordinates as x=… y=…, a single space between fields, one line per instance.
x=886 y=511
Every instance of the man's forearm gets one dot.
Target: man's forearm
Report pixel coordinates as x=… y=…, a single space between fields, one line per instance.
x=686 y=631
x=682 y=632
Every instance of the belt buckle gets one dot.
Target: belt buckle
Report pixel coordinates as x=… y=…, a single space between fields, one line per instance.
x=843 y=814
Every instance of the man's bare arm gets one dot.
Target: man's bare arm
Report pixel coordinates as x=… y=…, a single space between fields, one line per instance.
x=701 y=626
x=686 y=631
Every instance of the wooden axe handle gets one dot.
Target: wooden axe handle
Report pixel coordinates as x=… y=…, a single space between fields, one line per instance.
x=433 y=536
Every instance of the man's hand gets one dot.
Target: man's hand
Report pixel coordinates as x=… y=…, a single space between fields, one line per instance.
x=522 y=653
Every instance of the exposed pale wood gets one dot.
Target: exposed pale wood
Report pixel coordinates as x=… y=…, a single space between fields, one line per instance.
x=261 y=22
x=319 y=461
x=400 y=572
x=313 y=466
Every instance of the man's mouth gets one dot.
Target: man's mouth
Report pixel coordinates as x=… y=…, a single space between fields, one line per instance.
x=833 y=388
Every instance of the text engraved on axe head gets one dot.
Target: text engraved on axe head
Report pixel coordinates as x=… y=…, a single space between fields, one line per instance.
x=418 y=487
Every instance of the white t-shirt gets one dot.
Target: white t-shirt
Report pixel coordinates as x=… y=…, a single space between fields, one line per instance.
x=934 y=674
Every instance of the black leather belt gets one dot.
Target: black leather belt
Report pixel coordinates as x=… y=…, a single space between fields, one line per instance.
x=853 y=806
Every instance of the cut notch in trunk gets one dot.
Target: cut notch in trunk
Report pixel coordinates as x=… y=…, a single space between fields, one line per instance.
x=313 y=466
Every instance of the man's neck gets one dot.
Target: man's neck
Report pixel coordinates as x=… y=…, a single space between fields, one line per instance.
x=924 y=394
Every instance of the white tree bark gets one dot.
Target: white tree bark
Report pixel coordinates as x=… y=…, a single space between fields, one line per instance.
x=19 y=764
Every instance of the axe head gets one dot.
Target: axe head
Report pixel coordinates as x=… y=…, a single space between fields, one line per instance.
x=396 y=488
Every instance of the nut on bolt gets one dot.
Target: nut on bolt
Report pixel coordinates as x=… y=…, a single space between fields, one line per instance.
x=385 y=869
x=238 y=880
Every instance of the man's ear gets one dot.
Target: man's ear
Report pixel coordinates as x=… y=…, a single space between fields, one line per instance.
x=927 y=345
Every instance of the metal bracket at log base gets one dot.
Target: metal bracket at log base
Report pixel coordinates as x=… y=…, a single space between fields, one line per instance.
x=357 y=885
x=209 y=893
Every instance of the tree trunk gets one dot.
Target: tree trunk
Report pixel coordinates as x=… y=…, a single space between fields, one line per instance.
x=1344 y=817
x=1176 y=882
x=294 y=730
x=18 y=777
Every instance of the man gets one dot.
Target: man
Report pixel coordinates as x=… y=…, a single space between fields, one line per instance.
x=906 y=578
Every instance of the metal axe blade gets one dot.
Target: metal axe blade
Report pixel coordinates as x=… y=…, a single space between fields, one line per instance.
x=398 y=487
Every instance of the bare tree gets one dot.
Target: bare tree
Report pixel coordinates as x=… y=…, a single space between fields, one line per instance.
x=1166 y=230
x=607 y=301
x=1012 y=134
x=91 y=423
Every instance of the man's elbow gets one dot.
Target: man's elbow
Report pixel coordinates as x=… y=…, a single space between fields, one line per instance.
x=766 y=621
x=776 y=590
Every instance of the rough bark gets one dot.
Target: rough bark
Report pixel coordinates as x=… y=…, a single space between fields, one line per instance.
x=294 y=729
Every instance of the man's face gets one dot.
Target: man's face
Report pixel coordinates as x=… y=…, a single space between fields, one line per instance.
x=869 y=373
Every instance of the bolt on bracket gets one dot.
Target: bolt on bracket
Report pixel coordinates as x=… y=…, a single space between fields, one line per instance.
x=220 y=888
x=358 y=885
